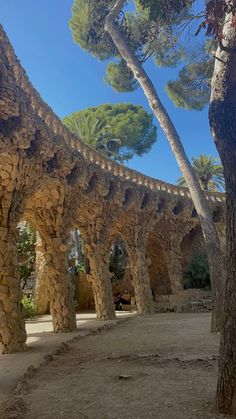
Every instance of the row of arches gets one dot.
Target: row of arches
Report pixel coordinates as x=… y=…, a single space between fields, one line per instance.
x=118 y=265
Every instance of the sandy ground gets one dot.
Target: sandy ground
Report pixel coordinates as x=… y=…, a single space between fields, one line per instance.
x=161 y=367
x=41 y=341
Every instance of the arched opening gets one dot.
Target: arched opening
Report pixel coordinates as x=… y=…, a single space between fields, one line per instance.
x=195 y=265
x=194 y=213
x=161 y=206
x=79 y=270
x=217 y=215
x=145 y=200
x=178 y=208
x=26 y=247
x=92 y=183
x=121 y=278
x=128 y=197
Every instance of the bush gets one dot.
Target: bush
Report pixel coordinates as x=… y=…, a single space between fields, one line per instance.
x=29 y=307
x=197 y=274
x=80 y=268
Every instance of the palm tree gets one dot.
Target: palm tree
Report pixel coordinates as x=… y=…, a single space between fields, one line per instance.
x=94 y=132
x=209 y=173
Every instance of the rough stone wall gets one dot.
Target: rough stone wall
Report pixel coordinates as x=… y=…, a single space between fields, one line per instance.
x=158 y=271
x=84 y=295
x=57 y=183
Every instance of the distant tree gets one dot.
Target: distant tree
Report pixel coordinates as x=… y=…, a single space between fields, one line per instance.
x=118 y=131
x=209 y=173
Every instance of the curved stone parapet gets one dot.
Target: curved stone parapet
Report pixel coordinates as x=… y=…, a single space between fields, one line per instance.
x=44 y=111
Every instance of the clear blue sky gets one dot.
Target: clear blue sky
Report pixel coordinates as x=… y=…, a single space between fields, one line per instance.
x=69 y=79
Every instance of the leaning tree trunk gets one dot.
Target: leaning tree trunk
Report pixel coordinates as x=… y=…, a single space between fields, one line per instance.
x=222 y=117
x=215 y=257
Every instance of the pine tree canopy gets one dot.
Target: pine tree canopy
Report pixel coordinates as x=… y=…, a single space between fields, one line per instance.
x=116 y=130
x=153 y=29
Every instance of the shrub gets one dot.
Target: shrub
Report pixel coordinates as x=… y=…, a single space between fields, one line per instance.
x=29 y=307
x=80 y=268
x=197 y=274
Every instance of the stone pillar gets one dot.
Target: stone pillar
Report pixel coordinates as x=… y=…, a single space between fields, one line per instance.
x=42 y=297
x=140 y=279
x=60 y=285
x=12 y=326
x=98 y=257
x=175 y=267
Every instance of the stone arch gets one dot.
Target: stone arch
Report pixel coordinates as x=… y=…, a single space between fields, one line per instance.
x=44 y=210
x=192 y=245
x=80 y=270
x=121 y=276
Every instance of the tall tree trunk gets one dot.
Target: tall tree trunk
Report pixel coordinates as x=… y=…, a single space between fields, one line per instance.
x=215 y=257
x=222 y=117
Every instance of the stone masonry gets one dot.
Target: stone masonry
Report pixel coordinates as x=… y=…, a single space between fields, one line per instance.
x=51 y=179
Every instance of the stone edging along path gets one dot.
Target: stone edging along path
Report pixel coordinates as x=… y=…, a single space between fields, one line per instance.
x=12 y=405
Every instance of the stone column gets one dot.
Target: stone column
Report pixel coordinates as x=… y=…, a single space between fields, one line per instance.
x=12 y=326
x=98 y=256
x=175 y=267
x=60 y=285
x=140 y=279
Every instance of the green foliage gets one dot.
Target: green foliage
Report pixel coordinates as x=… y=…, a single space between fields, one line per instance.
x=29 y=307
x=26 y=251
x=197 y=274
x=147 y=35
x=163 y=9
x=120 y=78
x=154 y=29
x=192 y=88
x=80 y=268
x=87 y=25
x=209 y=173
x=119 y=131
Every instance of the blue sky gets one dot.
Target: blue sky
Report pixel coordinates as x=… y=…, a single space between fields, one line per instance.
x=69 y=79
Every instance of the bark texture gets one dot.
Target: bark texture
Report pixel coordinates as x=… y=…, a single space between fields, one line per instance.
x=222 y=116
x=212 y=242
x=12 y=325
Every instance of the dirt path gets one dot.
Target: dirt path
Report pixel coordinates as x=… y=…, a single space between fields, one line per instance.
x=157 y=367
